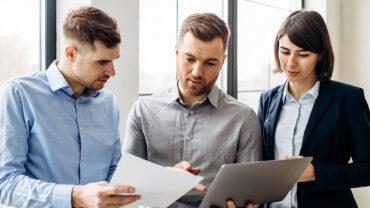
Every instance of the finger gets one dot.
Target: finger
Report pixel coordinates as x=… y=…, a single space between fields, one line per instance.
x=200 y=187
x=250 y=205
x=122 y=200
x=195 y=171
x=183 y=165
x=114 y=190
x=103 y=183
x=292 y=157
x=230 y=204
x=179 y=170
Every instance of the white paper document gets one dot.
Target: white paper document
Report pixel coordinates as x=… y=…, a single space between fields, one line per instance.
x=157 y=185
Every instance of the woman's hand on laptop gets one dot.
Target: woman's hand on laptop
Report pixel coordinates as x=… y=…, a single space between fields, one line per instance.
x=230 y=204
x=309 y=172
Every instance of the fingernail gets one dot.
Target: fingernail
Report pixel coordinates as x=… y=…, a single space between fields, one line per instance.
x=131 y=190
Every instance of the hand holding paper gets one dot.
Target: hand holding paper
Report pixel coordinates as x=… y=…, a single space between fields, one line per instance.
x=157 y=185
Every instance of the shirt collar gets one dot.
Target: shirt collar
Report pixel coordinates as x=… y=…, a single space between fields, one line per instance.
x=212 y=96
x=55 y=77
x=57 y=81
x=314 y=92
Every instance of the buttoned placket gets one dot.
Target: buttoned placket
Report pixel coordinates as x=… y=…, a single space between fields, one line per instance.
x=187 y=148
x=81 y=132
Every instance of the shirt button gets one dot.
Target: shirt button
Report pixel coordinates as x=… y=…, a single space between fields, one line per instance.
x=82 y=158
x=80 y=128
x=191 y=112
x=187 y=138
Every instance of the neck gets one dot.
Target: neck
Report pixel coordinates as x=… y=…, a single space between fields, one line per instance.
x=65 y=67
x=190 y=99
x=298 y=90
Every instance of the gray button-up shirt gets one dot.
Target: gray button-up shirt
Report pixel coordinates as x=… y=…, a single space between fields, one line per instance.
x=216 y=131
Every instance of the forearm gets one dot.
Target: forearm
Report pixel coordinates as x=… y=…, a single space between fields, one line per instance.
x=335 y=176
x=21 y=191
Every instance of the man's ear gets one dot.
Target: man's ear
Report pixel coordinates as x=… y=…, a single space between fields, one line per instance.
x=223 y=60
x=70 y=52
x=177 y=49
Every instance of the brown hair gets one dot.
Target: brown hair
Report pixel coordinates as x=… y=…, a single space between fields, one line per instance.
x=87 y=24
x=206 y=27
x=307 y=30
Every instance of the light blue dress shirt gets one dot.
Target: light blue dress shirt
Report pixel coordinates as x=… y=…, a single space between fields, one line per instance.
x=49 y=140
x=290 y=128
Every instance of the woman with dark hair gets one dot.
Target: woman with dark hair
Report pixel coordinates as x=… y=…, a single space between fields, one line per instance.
x=311 y=115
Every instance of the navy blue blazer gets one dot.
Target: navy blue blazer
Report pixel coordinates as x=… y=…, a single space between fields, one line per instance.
x=338 y=129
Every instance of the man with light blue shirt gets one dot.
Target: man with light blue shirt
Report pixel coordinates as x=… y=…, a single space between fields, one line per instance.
x=59 y=129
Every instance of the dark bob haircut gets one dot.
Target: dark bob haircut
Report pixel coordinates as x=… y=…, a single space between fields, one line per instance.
x=307 y=30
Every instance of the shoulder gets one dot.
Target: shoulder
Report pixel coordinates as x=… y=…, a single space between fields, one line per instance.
x=152 y=104
x=24 y=83
x=340 y=87
x=270 y=94
x=229 y=103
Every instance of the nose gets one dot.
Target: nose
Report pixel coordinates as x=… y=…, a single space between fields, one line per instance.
x=197 y=70
x=292 y=60
x=110 y=70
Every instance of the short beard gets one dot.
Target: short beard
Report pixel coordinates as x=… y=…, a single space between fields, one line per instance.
x=82 y=82
x=193 y=90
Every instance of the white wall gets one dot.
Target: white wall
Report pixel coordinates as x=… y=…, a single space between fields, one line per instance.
x=349 y=26
x=126 y=83
x=356 y=44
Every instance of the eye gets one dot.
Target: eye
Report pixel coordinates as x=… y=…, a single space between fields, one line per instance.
x=102 y=62
x=303 y=55
x=211 y=63
x=191 y=60
x=285 y=52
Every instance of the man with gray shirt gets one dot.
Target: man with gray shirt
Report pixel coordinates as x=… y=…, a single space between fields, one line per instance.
x=194 y=120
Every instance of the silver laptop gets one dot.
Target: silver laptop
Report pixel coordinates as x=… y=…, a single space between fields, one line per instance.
x=256 y=182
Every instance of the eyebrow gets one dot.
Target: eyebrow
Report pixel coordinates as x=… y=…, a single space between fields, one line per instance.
x=106 y=60
x=211 y=59
x=300 y=50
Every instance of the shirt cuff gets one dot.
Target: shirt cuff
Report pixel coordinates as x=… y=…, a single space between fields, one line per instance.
x=62 y=195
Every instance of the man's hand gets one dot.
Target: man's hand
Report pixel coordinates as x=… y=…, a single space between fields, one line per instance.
x=186 y=167
x=308 y=174
x=101 y=194
x=230 y=204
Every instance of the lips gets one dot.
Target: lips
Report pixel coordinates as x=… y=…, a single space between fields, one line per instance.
x=102 y=81
x=194 y=82
x=293 y=73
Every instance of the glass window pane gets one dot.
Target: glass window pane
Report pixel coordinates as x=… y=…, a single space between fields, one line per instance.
x=19 y=38
x=250 y=98
x=283 y=4
x=257 y=27
x=187 y=7
x=157 y=62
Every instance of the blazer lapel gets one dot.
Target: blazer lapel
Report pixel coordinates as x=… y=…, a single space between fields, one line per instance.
x=274 y=111
x=321 y=104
